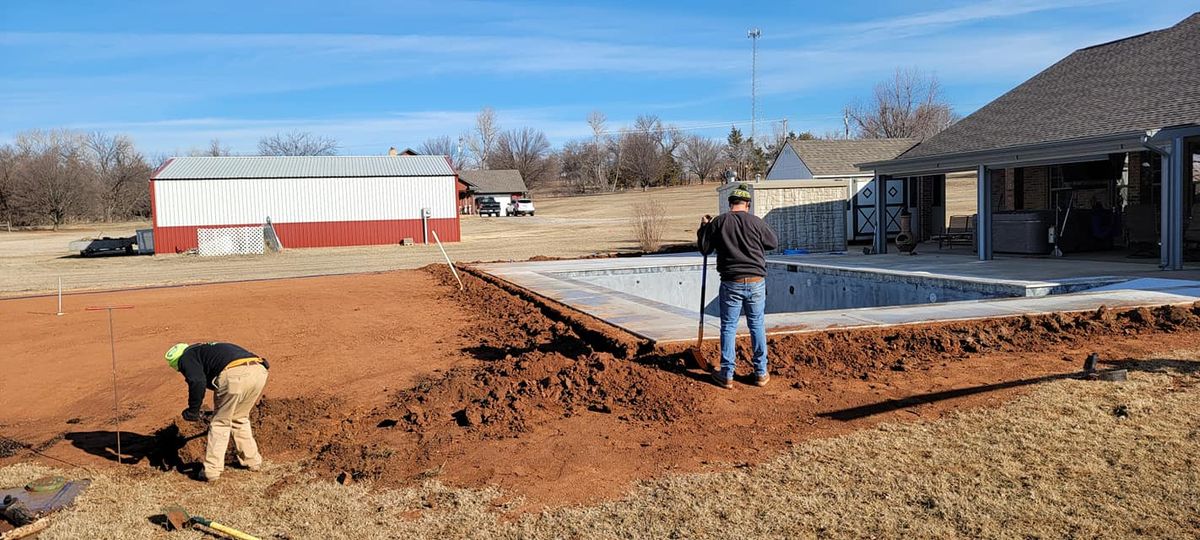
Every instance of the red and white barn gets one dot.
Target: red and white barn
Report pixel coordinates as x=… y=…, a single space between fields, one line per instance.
x=312 y=201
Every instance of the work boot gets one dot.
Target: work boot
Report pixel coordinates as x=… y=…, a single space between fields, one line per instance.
x=762 y=380
x=722 y=382
x=206 y=478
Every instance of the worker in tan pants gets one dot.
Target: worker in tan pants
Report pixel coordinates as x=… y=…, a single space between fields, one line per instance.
x=237 y=378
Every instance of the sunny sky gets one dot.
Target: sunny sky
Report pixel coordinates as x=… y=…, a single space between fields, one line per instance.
x=174 y=74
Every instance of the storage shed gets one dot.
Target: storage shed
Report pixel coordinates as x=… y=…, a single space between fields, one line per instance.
x=805 y=214
x=312 y=201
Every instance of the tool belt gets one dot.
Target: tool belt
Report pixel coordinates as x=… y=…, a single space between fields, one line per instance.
x=253 y=360
x=752 y=279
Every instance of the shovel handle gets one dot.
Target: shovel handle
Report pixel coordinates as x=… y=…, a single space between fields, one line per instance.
x=228 y=531
x=234 y=533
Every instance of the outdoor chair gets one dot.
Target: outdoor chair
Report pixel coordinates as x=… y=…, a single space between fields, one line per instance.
x=961 y=230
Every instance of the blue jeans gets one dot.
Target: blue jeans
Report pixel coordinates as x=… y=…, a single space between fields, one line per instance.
x=736 y=299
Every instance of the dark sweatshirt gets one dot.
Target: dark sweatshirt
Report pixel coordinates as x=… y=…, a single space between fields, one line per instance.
x=202 y=362
x=741 y=241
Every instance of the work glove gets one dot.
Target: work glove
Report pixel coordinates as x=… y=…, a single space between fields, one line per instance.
x=192 y=416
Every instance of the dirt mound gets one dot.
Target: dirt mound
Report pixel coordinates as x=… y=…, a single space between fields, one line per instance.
x=860 y=352
x=553 y=398
x=538 y=363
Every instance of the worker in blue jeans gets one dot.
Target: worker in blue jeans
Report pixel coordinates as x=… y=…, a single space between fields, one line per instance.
x=741 y=241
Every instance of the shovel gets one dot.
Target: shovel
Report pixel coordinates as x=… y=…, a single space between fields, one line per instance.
x=695 y=353
x=180 y=519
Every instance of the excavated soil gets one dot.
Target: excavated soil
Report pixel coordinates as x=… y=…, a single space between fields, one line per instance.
x=563 y=408
x=495 y=385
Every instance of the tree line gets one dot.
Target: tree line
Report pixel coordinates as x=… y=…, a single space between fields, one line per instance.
x=652 y=153
x=56 y=176
x=52 y=177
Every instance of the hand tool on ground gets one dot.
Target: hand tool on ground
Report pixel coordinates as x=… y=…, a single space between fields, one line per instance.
x=180 y=519
x=695 y=353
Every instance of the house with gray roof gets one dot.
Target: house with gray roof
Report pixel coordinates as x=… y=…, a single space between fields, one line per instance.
x=829 y=159
x=503 y=185
x=836 y=160
x=1096 y=153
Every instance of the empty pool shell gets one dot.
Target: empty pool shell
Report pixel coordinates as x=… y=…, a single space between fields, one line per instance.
x=654 y=297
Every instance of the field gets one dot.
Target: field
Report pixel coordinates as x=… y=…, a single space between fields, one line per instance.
x=32 y=262
x=399 y=406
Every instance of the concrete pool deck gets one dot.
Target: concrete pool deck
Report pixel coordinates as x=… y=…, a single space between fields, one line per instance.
x=1023 y=287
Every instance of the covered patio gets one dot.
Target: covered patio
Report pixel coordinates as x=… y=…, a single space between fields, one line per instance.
x=1095 y=157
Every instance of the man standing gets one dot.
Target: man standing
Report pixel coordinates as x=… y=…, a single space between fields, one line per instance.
x=237 y=378
x=741 y=241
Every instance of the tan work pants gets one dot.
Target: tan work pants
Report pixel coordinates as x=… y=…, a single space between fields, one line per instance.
x=238 y=390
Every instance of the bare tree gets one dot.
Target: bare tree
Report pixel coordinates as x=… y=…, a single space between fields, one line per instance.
x=648 y=149
x=909 y=104
x=701 y=156
x=445 y=146
x=121 y=174
x=53 y=179
x=483 y=139
x=596 y=120
x=8 y=179
x=526 y=150
x=215 y=149
x=297 y=143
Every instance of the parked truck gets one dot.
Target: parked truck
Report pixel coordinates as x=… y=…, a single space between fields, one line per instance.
x=143 y=240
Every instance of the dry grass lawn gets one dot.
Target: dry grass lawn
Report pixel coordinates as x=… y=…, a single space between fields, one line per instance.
x=1071 y=459
x=33 y=261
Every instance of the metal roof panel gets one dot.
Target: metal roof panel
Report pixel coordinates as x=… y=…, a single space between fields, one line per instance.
x=239 y=167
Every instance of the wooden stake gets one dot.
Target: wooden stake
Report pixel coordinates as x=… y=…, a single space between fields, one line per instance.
x=448 y=263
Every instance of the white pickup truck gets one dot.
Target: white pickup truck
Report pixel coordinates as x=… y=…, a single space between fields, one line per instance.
x=521 y=207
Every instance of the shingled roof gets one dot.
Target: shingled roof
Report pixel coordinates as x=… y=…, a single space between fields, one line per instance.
x=1144 y=82
x=498 y=181
x=838 y=157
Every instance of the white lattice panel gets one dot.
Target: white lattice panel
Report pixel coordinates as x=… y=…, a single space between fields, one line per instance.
x=230 y=241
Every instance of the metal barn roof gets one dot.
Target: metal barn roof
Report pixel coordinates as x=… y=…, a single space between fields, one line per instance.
x=242 y=167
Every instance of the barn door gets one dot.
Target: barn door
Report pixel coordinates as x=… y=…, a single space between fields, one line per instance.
x=863 y=207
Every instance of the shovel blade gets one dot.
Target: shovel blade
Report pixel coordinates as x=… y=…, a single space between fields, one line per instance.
x=177 y=517
x=697 y=359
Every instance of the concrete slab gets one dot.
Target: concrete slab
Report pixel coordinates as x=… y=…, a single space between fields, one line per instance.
x=623 y=291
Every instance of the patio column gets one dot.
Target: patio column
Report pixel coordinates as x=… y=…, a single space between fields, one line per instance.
x=880 y=182
x=983 y=214
x=1174 y=163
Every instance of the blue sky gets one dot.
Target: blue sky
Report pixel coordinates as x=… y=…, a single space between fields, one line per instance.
x=376 y=74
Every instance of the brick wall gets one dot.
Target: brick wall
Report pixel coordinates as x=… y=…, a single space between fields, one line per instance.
x=999 y=186
x=1139 y=181
x=1010 y=187
x=924 y=203
x=1037 y=187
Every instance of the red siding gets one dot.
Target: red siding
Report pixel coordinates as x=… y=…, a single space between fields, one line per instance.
x=321 y=234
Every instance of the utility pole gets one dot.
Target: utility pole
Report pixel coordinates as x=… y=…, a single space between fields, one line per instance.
x=754 y=34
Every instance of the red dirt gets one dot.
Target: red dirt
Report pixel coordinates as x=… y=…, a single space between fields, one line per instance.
x=398 y=376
